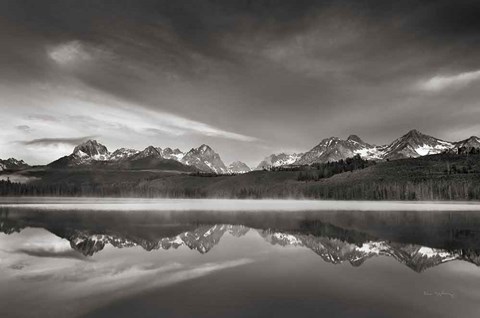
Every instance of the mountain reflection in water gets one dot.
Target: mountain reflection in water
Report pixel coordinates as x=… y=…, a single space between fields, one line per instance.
x=419 y=240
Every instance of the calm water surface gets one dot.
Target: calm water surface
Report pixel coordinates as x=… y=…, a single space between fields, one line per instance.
x=184 y=258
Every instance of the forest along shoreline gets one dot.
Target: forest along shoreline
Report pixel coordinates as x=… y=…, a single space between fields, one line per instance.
x=434 y=177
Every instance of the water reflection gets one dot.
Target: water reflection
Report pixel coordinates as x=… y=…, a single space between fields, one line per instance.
x=418 y=240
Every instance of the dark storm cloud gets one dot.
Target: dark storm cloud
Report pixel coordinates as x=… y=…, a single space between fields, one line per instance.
x=56 y=141
x=180 y=35
x=287 y=73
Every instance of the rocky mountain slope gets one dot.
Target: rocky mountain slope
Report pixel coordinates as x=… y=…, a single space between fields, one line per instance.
x=169 y=153
x=205 y=159
x=334 y=149
x=91 y=153
x=84 y=154
x=278 y=160
x=12 y=164
x=414 y=144
x=238 y=167
x=122 y=154
x=467 y=145
x=411 y=145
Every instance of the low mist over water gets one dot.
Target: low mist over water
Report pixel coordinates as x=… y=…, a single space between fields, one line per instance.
x=158 y=205
x=190 y=261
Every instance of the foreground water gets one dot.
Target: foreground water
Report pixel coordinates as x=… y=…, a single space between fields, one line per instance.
x=184 y=258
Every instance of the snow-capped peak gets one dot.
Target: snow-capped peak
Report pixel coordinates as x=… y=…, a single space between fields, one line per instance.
x=147 y=152
x=412 y=144
x=415 y=144
x=278 y=160
x=204 y=148
x=91 y=150
x=355 y=138
x=12 y=163
x=205 y=159
x=334 y=149
x=174 y=154
x=122 y=154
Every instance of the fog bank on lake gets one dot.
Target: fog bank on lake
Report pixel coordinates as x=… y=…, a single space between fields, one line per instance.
x=122 y=204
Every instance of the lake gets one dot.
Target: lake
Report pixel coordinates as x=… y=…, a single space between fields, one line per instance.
x=64 y=257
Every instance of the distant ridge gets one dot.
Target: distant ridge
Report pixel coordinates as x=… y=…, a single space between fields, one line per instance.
x=12 y=164
x=205 y=159
x=413 y=144
x=93 y=154
x=278 y=160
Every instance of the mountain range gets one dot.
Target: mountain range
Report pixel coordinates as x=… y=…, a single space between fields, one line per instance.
x=204 y=159
x=278 y=160
x=12 y=164
x=411 y=145
x=93 y=154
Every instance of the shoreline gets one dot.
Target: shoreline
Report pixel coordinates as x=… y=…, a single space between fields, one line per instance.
x=159 y=204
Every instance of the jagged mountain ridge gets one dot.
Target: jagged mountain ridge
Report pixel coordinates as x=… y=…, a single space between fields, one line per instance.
x=150 y=151
x=91 y=153
x=12 y=164
x=205 y=159
x=169 y=153
x=466 y=145
x=415 y=144
x=334 y=149
x=91 y=150
x=411 y=145
x=123 y=154
x=278 y=160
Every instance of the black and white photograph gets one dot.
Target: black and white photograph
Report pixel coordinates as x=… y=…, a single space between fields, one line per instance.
x=239 y=158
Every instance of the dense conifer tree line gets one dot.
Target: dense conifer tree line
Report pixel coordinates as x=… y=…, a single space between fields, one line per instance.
x=441 y=177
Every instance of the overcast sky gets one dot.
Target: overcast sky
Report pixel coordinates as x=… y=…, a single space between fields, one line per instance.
x=249 y=78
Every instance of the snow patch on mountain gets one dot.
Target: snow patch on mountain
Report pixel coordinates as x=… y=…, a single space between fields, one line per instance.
x=12 y=164
x=91 y=150
x=169 y=153
x=278 y=160
x=415 y=144
x=238 y=167
x=334 y=149
x=150 y=151
x=205 y=159
x=122 y=154
x=411 y=145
